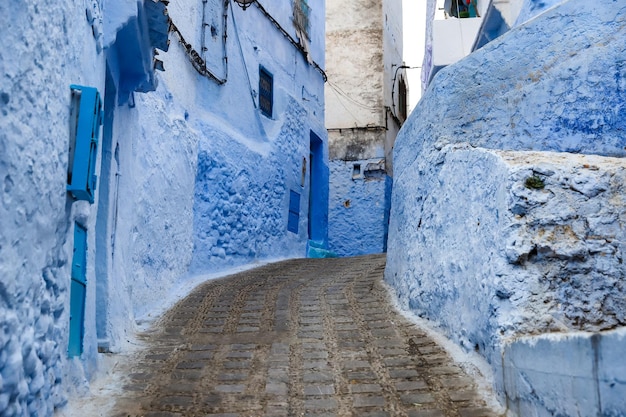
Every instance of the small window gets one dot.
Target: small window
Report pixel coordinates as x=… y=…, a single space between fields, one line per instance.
x=462 y=8
x=301 y=17
x=294 y=212
x=402 y=105
x=375 y=171
x=356 y=171
x=266 y=92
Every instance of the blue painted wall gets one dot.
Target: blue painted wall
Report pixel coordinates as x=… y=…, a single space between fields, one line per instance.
x=555 y=83
x=241 y=197
x=358 y=209
x=192 y=178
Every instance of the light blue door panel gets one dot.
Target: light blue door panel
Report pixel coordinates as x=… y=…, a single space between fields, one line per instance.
x=78 y=290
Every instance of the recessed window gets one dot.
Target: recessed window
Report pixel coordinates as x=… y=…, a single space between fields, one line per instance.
x=301 y=17
x=402 y=105
x=266 y=92
x=356 y=171
x=294 y=212
x=462 y=8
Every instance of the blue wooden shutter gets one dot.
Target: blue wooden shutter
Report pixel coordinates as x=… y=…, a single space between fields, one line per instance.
x=294 y=212
x=78 y=292
x=86 y=119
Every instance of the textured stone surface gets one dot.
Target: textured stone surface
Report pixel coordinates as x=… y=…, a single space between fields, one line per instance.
x=483 y=252
x=234 y=185
x=285 y=370
x=576 y=374
x=530 y=261
x=358 y=207
x=35 y=212
x=154 y=208
x=553 y=83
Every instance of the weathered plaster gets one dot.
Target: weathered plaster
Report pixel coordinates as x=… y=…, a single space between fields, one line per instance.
x=146 y=229
x=475 y=250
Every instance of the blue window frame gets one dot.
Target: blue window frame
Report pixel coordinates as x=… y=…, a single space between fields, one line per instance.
x=266 y=92
x=86 y=119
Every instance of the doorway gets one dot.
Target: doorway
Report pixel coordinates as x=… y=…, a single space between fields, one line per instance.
x=78 y=292
x=318 y=194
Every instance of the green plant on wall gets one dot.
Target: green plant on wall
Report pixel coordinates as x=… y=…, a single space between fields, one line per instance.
x=534 y=182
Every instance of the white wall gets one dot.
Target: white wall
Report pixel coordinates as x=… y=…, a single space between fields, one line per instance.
x=453 y=39
x=497 y=264
x=155 y=210
x=354 y=46
x=51 y=47
x=392 y=58
x=364 y=47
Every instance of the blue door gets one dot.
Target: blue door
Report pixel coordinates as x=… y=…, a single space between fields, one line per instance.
x=78 y=291
x=318 y=193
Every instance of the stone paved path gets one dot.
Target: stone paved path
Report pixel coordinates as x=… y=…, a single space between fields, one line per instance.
x=295 y=338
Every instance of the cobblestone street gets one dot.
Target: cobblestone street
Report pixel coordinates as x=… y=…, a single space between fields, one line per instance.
x=296 y=338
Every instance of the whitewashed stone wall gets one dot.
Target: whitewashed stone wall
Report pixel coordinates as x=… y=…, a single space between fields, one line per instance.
x=497 y=258
x=495 y=263
x=38 y=62
x=362 y=118
x=155 y=204
x=513 y=245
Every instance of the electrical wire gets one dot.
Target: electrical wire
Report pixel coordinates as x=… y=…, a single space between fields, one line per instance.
x=340 y=91
x=298 y=46
x=347 y=109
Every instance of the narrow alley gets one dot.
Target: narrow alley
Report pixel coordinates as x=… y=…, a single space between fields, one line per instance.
x=302 y=337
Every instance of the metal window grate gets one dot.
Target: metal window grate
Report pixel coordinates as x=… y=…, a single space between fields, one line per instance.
x=266 y=92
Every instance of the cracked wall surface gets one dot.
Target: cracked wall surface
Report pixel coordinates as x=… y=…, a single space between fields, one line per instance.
x=507 y=210
x=190 y=175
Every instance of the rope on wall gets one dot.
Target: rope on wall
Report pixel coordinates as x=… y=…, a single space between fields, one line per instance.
x=295 y=43
x=200 y=65
x=196 y=60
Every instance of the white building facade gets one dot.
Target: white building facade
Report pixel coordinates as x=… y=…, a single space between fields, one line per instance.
x=366 y=106
x=120 y=180
x=456 y=28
